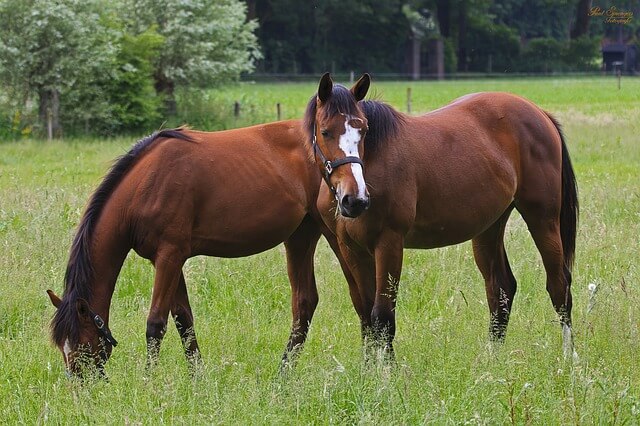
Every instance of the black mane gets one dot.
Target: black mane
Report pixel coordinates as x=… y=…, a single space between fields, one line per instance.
x=384 y=121
x=79 y=269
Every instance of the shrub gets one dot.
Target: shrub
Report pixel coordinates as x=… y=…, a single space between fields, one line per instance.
x=542 y=55
x=582 y=54
x=491 y=43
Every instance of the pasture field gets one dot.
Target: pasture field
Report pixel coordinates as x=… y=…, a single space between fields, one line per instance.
x=446 y=372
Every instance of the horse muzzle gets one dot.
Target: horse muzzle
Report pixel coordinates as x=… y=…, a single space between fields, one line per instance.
x=352 y=206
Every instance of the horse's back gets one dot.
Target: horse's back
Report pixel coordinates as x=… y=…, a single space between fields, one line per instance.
x=525 y=133
x=499 y=124
x=228 y=194
x=477 y=155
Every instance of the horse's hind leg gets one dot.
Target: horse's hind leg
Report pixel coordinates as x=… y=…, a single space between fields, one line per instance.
x=500 y=284
x=546 y=234
x=300 y=248
x=168 y=264
x=183 y=317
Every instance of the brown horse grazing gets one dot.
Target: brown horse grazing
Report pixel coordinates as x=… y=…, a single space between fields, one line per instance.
x=439 y=179
x=182 y=193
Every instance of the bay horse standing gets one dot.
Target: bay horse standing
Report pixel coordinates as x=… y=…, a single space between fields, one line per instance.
x=452 y=175
x=181 y=193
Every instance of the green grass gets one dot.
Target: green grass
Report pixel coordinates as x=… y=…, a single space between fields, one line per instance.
x=582 y=96
x=446 y=373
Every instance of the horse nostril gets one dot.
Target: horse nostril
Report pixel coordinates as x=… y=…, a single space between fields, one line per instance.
x=346 y=200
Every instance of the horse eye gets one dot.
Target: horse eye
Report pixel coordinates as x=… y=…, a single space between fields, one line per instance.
x=324 y=133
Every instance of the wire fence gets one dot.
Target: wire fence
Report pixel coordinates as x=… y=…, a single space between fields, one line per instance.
x=352 y=76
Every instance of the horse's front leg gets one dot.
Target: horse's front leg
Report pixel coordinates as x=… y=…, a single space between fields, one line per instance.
x=168 y=273
x=388 y=266
x=361 y=297
x=183 y=317
x=300 y=248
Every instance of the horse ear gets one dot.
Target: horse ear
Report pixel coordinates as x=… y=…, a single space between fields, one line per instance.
x=361 y=87
x=54 y=299
x=325 y=87
x=82 y=306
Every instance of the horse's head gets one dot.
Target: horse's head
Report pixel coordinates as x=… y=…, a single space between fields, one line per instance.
x=82 y=336
x=339 y=129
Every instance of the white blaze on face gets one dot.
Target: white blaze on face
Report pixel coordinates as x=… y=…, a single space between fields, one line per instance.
x=67 y=350
x=348 y=143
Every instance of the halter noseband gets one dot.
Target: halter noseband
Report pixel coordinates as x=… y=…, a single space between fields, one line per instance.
x=330 y=166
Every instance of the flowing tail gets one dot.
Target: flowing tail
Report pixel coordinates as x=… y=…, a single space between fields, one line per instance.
x=570 y=206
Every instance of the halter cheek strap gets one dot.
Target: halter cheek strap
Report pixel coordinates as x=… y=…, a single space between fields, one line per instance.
x=330 y=166
x=103 y=329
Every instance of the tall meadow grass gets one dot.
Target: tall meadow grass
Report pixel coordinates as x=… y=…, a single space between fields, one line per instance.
x=446 y=372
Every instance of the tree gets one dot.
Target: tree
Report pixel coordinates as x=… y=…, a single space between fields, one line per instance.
x=287 y=35
x=50 y=49
x=581 y=26
x=130 y=89
x=206 y=42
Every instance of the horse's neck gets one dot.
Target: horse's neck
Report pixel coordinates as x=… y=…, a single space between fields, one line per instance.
x=108 y=252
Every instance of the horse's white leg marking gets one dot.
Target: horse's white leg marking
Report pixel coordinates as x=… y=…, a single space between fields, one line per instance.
x=567 y=343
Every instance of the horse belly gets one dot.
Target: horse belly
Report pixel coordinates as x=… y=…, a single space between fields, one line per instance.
x=244 y=226
x=444 y=226
x=444 y=234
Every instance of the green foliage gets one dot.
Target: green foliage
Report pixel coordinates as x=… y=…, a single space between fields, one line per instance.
x=13 y=125
x=89 y=70
x=360 y=36
x=542 y=55
x=376 y=35
x=535 y=18
x=50 y=45
x=334 y=35
x=450 y=56
x=492 y=46
x=130 y=90
x=206 y=42
x=283 y=53
x=582 y=54
x=54 y=48
x=550 y=55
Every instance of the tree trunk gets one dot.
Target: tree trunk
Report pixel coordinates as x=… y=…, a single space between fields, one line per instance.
x=49 y=112
x=443 y=12
x=165 y=88
x=415 y=57
x=251 y=10
x=581 y=26
x=436 y=58
x=462 y=36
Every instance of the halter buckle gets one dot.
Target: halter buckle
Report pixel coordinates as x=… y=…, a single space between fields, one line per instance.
x=98 y=321
x=328 y=167
x=104 y=331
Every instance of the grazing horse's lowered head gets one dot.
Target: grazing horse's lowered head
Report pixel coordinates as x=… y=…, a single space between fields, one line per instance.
x=82 y=336
x=337 y=129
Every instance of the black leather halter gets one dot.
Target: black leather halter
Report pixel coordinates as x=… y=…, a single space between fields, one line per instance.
x=329 y=165
x=103 y=329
